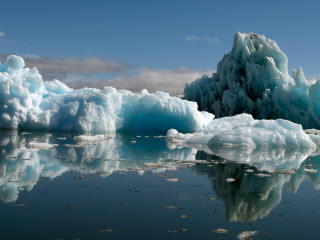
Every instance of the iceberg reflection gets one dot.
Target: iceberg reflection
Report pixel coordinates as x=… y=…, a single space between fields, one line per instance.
x=259 y=175
x=21 y=166
x=254 y=193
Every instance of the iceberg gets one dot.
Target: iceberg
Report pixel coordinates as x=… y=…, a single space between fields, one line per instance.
x=253 y=78
x=27 y=102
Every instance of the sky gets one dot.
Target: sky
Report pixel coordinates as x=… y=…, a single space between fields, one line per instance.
x=158 y=45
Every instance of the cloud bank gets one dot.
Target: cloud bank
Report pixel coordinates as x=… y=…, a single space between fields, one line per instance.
x=166 y=80
x=96 y=72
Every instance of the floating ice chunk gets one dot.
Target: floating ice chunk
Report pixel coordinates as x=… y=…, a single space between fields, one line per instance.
x=245 y=132
x=40 y=145
x=246 y=234
x=265 y=144
x=263 y=175
x=264 y=133
x=310 y=170
x=84 y=138
x=172 y=179
x=221 y=230
x=230 y=179
x=253 y=78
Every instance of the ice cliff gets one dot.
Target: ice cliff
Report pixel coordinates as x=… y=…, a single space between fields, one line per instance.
x=253 y=78
x=27 y=102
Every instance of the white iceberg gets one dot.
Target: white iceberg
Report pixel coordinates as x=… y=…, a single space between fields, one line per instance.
x=27 y=102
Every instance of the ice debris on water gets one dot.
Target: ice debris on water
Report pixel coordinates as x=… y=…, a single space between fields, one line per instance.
x=262 y=175
x=246 y=234
x=310 y=170
x=172 y=179
x=230 y=180
x=85 y=138
x=40 y=145
x=221 y=230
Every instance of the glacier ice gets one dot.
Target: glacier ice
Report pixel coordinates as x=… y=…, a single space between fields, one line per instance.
x=253 y=78
x=27 y=102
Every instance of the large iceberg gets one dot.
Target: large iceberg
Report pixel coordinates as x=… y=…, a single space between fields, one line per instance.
x=253 y=78
x=27 y=102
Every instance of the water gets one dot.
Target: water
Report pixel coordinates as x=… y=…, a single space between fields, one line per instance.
x=135 y=187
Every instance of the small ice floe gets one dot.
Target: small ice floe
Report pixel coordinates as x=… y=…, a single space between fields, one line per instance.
x=249 y=170
x=153 y=165
x=185 y=216
x=74 y=145
x=262 y=175
x=133 y=142
x=172 y=208
x=178 y=230
x=78 y=177
x=20 y=205
x=211 y=199
x=246 y=234
x=25 y=133
x=221 y=230
x=49 y=135
x=310 y=170
x=172 y=179
x=84 y=138
x=158 y=136
x=62 y=138
x=230 y=179
x=106 y=230
x=40 y=145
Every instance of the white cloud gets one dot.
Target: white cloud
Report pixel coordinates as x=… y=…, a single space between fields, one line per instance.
x=166 y=80
x=213 y=40
x=191 y=38
x=314 y=78
x=202 y=40
x=2 y=34
x=92 y=65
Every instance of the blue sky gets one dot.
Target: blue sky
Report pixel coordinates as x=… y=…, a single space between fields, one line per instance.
x=159 y=36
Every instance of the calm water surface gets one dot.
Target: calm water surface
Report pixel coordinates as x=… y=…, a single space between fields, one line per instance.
x=133 y=186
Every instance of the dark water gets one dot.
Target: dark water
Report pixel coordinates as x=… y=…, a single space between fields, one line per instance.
x=129 y=187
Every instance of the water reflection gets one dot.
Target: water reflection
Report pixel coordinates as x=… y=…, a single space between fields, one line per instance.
x=253 y=194
x=21 y=167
